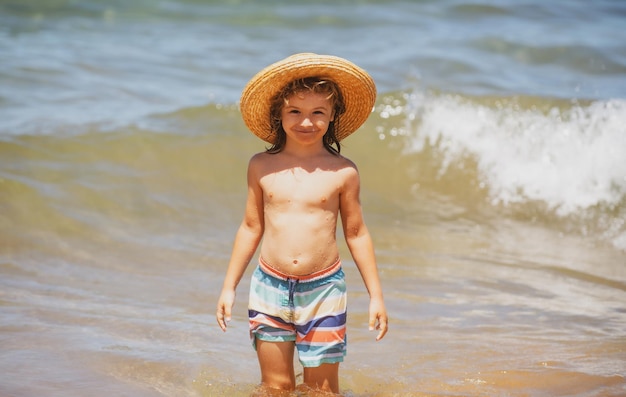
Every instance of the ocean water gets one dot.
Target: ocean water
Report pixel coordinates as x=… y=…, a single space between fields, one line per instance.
x=493 y=175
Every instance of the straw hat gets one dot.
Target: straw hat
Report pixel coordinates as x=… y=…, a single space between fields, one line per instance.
x=356 y=85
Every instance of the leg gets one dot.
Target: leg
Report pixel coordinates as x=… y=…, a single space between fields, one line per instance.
x=276 y=362
x=325 y=377
x=272 y=336
x=321 y=337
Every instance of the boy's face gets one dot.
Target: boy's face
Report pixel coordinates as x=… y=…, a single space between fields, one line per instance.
x=306 y=116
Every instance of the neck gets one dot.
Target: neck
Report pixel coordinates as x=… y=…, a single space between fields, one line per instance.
x=304 y=150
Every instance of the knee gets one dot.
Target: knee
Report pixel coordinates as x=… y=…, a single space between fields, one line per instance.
x=279 y=382
x=325 y=377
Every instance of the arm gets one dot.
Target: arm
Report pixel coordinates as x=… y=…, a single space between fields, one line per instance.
x=361 y=248
x=246 y=242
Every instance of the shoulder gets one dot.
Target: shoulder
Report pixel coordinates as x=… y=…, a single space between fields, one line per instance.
x=259 y=157
x=258 y=164
x=346 y=170
x=260 y=160
x=346 y=165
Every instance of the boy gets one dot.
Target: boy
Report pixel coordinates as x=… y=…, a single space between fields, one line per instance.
x=303 y=106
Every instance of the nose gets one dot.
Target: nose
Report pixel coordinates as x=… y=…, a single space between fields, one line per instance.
x=306 y=121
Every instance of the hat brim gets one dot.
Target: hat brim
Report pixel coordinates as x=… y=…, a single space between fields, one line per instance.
x=356 y=85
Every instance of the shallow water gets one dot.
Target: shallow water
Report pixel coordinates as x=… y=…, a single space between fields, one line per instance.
x=493 y=180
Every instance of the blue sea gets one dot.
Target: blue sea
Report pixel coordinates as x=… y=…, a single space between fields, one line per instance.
x=493 y=173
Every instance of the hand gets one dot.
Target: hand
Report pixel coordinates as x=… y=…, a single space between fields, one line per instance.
x=378 y=318
x=224 y=308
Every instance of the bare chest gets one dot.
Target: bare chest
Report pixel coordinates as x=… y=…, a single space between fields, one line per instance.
x=298 y=187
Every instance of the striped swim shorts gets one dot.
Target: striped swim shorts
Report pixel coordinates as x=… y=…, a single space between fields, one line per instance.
x=308 y=310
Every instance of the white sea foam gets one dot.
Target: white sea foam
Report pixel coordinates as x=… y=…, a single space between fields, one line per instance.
x=570 y=159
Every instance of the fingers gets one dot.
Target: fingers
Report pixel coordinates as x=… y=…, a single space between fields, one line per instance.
x=223 y=316
x=220 y=320
x=382 y=327
x=372 y=323
x=380 y=323
x=224 y=306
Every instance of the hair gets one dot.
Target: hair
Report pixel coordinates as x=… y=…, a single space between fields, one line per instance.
x=316 y=85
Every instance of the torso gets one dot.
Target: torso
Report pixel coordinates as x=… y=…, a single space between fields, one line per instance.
x=301 y=206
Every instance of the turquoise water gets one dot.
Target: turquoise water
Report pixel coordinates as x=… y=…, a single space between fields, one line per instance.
x=76 y=62
x=494 y=185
